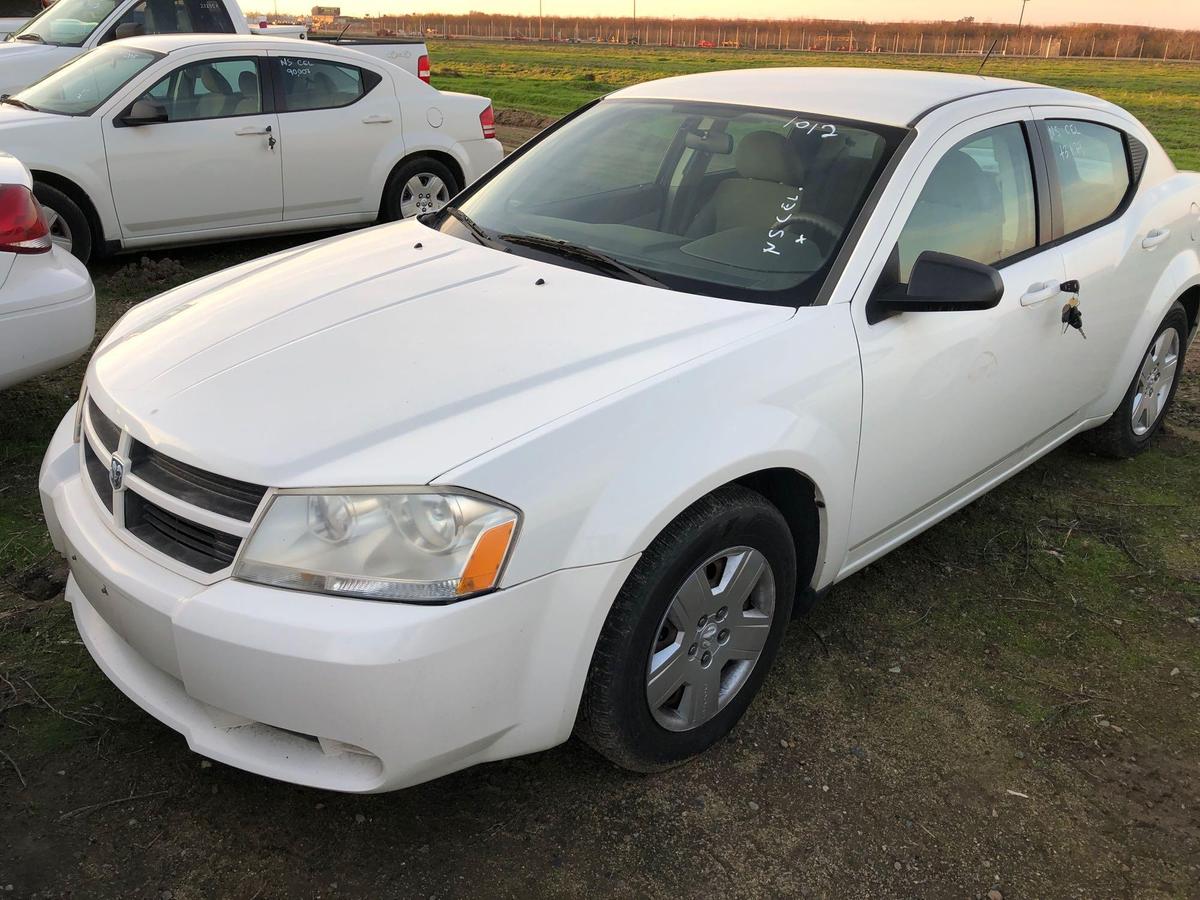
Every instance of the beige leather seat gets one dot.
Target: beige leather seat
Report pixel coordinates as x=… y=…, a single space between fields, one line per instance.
x=217 y=101
x=767 y=175
x=250 y=101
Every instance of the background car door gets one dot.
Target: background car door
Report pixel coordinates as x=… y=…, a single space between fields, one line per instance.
x=338 y=122
x=948 y=395
x=1114 y=248
x=210 y=165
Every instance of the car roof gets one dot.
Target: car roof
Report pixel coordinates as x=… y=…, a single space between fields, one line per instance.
x=169 y=43
x=883 y=96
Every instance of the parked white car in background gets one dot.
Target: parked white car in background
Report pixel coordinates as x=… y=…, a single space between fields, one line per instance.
x=47 y=304
x=184 y=138
x=566 y=455
x=69 y=28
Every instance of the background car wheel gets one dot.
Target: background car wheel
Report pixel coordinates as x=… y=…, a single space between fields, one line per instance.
x=1141 y=413
x=692 y=633
x=69 y=226
x=419 y=186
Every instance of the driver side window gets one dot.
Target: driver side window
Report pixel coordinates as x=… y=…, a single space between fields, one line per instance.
x=978 y=202
x=212 y=89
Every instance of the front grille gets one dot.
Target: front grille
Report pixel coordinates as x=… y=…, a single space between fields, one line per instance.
x=216 y=493
x=195 y=545
x=181 y=494
x=106 y=429
x=97 y=474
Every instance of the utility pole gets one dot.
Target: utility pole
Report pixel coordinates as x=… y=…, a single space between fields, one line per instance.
x=539 y=20
x=1021 y=20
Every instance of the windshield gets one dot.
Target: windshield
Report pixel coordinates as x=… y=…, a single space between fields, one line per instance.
x=67 y=22
x=82 y=85
x=728 y=201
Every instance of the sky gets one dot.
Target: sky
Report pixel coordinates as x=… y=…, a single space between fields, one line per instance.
x=1163 y=13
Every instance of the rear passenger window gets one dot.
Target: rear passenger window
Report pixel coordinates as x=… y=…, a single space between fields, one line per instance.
x=978 y=202
x=1093 y=170
x=316 y=84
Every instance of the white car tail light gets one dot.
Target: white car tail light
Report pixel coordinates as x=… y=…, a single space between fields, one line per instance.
x=423 y=68
x=487 y=120
x=22 y=224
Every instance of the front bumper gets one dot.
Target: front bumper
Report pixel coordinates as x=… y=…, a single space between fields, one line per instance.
x=343 y=694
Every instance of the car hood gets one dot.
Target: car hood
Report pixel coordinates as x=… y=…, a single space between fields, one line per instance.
x=389 y=356
x=24 y=62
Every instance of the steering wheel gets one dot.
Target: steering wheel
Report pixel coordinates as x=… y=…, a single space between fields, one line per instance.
x=830 y=228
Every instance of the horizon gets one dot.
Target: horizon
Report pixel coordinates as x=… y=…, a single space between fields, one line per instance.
x=1041 y=13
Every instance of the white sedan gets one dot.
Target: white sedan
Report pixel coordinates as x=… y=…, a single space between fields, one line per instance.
x=566 y=456
x=176 y=139
x=47 y=304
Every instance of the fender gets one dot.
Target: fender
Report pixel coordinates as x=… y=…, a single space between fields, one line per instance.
x=1180 y=275
x=624 y=482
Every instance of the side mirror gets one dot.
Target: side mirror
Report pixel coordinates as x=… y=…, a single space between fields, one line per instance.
x=142 y=112
x=941 y=282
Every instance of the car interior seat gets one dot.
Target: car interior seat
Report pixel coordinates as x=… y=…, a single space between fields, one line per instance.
x=767 y=172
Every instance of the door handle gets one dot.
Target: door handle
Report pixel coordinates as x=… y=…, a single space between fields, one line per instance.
x=376 y=120
x=1040 y=292
x=253 y=129
x=1155 y=237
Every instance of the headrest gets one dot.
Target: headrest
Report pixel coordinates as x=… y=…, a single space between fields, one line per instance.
x=958 y=181
x=765 y=156
x=214 y=80
x=248 y=82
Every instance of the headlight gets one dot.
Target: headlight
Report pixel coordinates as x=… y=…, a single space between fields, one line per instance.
x=415 y=545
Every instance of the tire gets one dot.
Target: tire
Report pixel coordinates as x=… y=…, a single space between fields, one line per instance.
x=1126 y=435
x=69 y=225
x=616 y=716
x=437 y=186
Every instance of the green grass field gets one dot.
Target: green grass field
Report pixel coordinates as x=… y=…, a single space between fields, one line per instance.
x=555 y=79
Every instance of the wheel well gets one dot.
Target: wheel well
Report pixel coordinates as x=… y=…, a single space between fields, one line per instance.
x=796 y=497
x=79 y=195
x=1191 y=305
x=444 y=158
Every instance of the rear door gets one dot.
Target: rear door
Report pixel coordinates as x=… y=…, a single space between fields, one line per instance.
x=339 y=129
x=212 y=164
x=1114 y=241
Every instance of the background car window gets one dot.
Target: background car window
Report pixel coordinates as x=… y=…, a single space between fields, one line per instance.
x=68 y=22
x=978 y=202
x=318 y=84
x=1093 y=170
x=209 y=90
x=175 y=17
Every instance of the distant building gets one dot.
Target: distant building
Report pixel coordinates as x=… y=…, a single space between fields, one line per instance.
x=324 y=16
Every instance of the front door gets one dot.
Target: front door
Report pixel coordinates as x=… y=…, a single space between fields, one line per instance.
x=948 y=395
x=215 y=162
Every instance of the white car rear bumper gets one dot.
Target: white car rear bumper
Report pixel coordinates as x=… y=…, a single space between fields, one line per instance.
x=47 y=315
x=343 y=694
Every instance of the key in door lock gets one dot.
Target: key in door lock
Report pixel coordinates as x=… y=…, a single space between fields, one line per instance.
x=1071 y=316
x=270 y=139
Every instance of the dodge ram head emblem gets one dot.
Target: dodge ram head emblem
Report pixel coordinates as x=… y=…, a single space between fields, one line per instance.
x=116 y=473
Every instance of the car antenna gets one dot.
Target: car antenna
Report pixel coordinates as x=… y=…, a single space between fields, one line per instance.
x=985 y=59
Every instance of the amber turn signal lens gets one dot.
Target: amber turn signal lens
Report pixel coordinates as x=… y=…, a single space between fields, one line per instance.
x=487 y=557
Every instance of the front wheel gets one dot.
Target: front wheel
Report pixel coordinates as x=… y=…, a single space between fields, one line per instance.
x=419 y=186
x=1140 y=415
x=692 y=633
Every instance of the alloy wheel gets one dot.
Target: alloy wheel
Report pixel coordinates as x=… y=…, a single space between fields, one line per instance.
x=710 y=638
x=1155 y=380
x=423 y=193
x=60 y=231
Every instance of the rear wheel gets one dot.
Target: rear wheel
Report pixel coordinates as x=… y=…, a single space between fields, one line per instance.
x=1139 y=417
x=419 y=186
x=68 y=224
x=692 y=633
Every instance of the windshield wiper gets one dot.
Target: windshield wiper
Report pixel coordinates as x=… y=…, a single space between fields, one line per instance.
x=21 y=103
x=477 y=230
x=31 y=36
x=584 y=254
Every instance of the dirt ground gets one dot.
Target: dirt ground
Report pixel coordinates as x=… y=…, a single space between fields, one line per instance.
x=1009 y=703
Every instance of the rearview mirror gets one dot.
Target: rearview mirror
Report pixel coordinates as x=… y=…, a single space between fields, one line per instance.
x=941 y=282
x=142 y=112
